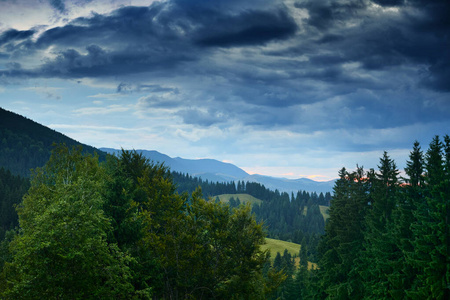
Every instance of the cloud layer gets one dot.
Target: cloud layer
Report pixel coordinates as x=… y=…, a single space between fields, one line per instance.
x=347 y=75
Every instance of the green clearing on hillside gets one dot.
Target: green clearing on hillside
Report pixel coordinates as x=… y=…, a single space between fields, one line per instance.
x=324 y=211
x=275 y=246
x=244 y=198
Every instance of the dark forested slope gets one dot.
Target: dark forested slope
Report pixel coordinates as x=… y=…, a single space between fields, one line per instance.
x=25 y=144
x=12 y=189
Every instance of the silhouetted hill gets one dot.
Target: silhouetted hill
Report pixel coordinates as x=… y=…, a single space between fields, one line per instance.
x=25 y=144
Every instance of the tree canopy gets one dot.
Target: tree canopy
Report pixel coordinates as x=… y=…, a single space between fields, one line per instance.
x=119 y=230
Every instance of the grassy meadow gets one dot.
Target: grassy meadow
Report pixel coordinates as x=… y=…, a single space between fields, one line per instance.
x=275 y=246
x=244 y=198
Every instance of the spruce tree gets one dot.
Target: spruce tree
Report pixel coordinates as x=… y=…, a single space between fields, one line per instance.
x=343 y=240
x=403 y=275
x=380 y=246
x=430 y=231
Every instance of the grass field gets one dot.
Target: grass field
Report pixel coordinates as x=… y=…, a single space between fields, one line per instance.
x=324 y=211
x=244 y=198
x=275 y=246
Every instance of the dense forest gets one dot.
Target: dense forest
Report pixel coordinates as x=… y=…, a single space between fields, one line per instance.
x=119 y=230
x=12 y=189
x=388 y=236
x=121 y=197
x=296 y=218
x=80 y=225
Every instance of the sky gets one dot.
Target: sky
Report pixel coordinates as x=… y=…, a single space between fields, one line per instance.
x=284 y=88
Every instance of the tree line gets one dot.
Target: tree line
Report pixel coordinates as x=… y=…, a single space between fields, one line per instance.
x=119 y=230
x=296 y=218
x=388 y=236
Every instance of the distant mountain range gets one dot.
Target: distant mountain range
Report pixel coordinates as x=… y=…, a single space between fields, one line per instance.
x=214 y=170
x=25 y=144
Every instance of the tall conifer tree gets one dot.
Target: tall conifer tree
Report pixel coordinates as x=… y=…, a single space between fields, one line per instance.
x=343 y=239
x=403 y=275
x=380 y=246
x=431 y=240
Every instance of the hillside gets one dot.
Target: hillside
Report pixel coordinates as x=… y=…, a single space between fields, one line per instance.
x=26 y=144
x=243 y=198
x=276 y=246
x=324 y=211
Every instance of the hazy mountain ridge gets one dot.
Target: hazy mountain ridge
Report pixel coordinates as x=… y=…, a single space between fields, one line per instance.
x=214 y=170
x=292 y=185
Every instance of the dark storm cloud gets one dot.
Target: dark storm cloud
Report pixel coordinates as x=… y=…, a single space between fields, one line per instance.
x=389 y=3
x=163 y=23
x=164 y=35
x=439 y=75
x=58 y=5
x=262 y=63
x=248 y=28
x=13 y=35
x=97 y=62
x=157 y=37
x=417 y=34
x=325 y=13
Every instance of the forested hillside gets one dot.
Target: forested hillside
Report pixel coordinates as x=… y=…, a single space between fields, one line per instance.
x=292 y=217
x=119 y=230
x=12 y=189
x=25 y=144
x=295 y=218
x=123 y=198
x=122 y=227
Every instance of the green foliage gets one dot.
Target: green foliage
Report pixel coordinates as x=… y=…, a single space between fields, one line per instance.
x=61 y=249
x=381 y=250
x=344 y=236
x=12 y=189
x=119 y=230
x=288 y=218
x=5 y=254
x=396 y=245
x=185 y=183
x=192 y=248
x=431 y=228
x=207 y=251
